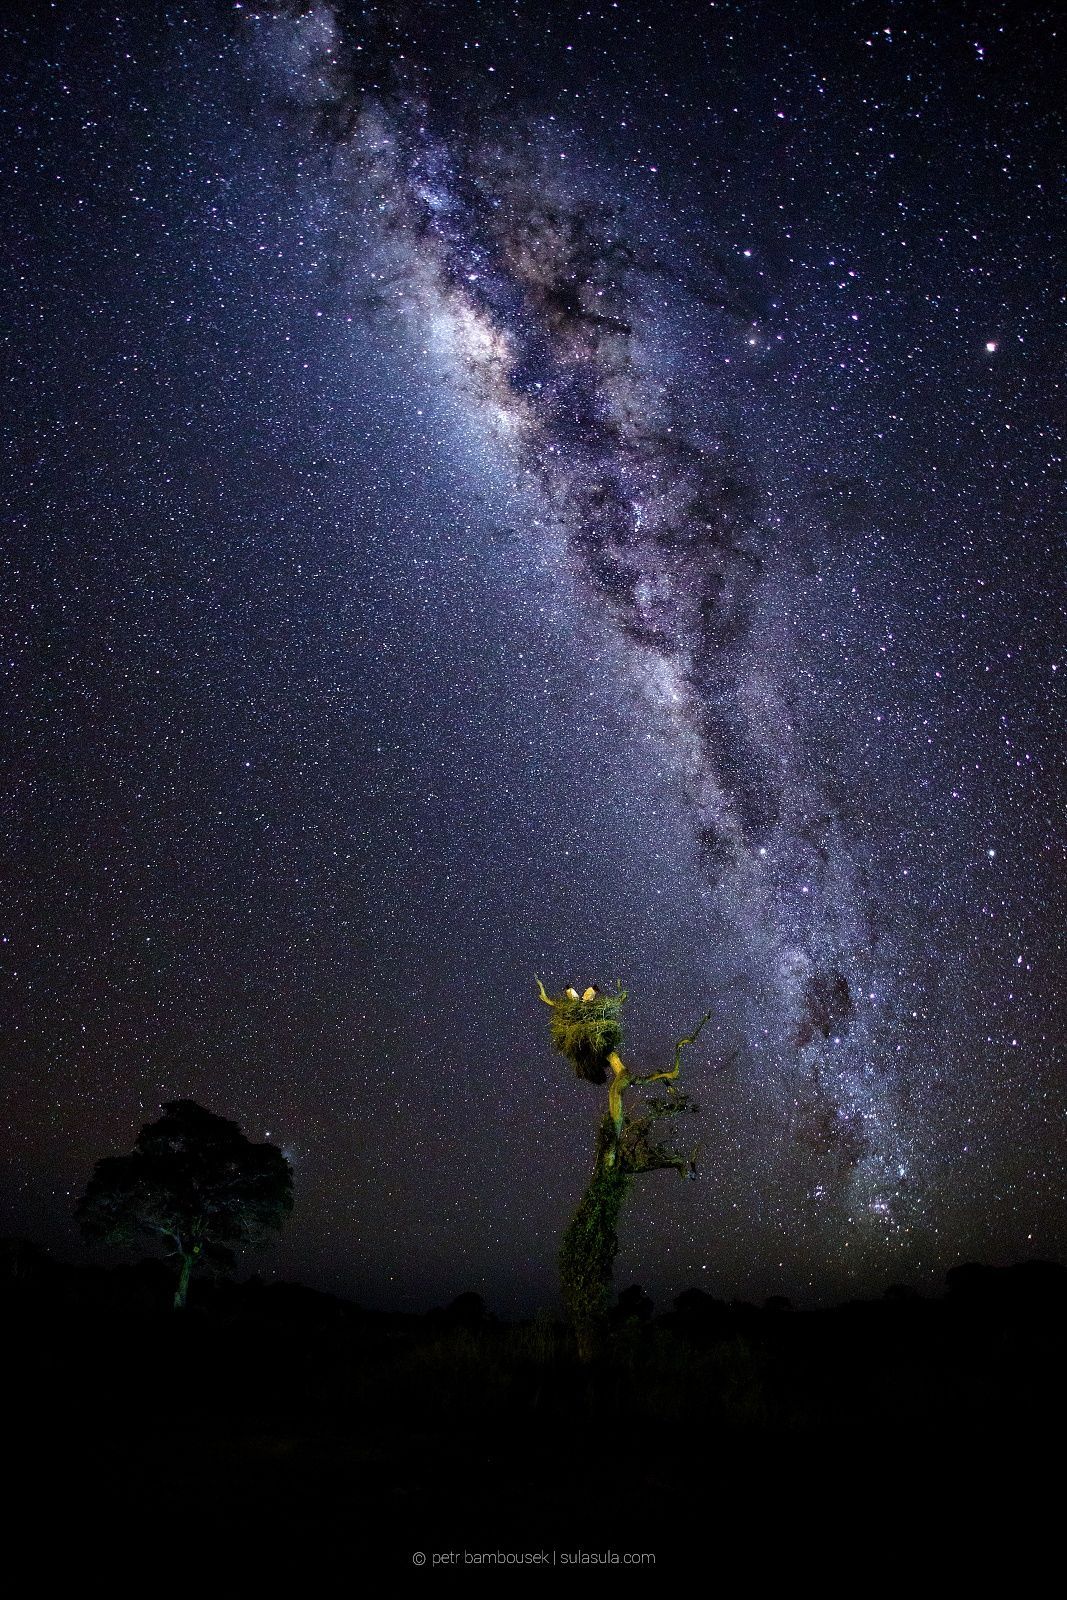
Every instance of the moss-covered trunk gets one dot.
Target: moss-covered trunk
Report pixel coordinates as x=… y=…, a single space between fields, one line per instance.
x=182 y=1290
x=591 y=1243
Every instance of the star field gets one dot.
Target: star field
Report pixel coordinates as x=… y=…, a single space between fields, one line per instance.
x=494 y=491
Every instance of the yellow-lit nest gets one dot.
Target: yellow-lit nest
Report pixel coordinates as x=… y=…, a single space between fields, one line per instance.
x=587 y=1031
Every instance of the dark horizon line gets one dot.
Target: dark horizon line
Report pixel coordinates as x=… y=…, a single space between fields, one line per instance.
x=967 y=1275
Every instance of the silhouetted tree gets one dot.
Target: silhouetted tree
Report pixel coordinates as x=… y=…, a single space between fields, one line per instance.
x=467 y=1310
x=632 y=1306
x=587 y=1029
x=699 y=1315
x=193 y=1183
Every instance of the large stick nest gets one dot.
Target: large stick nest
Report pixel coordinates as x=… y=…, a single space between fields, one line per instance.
x=587 y=1031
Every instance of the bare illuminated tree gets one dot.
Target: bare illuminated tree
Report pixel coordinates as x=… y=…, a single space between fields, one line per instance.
x=587 y=1029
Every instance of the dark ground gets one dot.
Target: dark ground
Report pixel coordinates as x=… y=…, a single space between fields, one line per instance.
x=276 y=1423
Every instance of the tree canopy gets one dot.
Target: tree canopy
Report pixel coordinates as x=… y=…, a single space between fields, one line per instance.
x=193 y=1183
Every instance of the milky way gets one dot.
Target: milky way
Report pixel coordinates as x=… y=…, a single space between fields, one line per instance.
x=547 y=314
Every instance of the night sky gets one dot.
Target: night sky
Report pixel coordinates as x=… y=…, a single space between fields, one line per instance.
x=496 y=489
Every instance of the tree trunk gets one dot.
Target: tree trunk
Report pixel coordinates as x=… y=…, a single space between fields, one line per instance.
x=591 y=1242
x=182 y=1290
